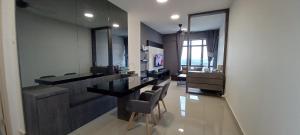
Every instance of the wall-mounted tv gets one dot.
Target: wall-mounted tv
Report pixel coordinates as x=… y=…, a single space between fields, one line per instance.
x=158 y=60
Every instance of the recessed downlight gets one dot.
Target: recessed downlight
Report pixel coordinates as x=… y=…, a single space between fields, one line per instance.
x=161 y=1
x=175 y=16
x=89 y=15
x=115 y=25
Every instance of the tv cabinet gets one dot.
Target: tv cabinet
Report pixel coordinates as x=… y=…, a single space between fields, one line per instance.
x=161 y=74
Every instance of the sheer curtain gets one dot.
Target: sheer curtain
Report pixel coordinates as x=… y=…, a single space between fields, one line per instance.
x=180 y=37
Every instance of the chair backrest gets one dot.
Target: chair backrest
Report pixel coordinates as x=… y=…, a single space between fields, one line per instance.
x=155 y=98
x=165 y=90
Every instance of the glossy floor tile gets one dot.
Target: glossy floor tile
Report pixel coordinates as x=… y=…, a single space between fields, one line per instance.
x=187 y=115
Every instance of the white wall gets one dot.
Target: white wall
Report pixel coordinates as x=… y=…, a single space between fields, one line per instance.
x=51 y=47
x=11 y=78
x=134 y=40
x=263 y=86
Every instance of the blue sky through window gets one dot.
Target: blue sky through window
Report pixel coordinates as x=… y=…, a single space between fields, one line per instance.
x=196 y=53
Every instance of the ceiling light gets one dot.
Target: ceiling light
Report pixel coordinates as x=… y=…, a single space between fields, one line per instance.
x=175 y=17
x=162 y=1
x=89 y=15
x=115 y=25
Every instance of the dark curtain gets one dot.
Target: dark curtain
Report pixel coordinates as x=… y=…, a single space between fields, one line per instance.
x=180 y=37
x=125 y=39
x=212 y=46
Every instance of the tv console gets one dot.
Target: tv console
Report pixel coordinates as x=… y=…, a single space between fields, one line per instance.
x=161 y=74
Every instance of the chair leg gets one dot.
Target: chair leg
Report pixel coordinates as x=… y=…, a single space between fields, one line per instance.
x=147 y=125
x=164 y=104
x=129 y=126
x=136 y=117
x=154 y=118
x=158 y=110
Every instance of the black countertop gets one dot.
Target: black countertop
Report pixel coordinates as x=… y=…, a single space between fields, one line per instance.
x=67 y=78
x=121 y=87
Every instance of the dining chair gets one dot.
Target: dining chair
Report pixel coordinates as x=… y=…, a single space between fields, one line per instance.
x=164 y=93
x=145 y=105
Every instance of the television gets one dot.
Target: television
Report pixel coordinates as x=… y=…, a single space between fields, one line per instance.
x=158 y=60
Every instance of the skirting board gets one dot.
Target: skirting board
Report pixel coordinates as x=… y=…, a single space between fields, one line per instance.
x=234 y=116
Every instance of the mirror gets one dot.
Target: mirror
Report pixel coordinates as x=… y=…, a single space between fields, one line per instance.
x=55 y=37
x=101 y=37
x=206 y=52
x=206 y=44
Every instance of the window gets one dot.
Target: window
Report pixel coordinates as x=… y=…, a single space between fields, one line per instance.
x=199 y=55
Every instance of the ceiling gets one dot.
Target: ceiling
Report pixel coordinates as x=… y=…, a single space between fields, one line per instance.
x=157 y=16
x=210 y=22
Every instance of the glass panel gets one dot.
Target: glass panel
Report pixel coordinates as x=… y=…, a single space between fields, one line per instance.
x=184 y=56
x=196 y=42
x=204 y=42
x=185 y=43
x=205 y=57
x=196 y=55
x=47 y=35
x=197 y=33
x=118 y=21
x=102 y=47
x=54 y=36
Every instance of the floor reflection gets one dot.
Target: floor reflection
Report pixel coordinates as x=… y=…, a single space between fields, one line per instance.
x=182 y=103
x=194 y=97
x=187 y=114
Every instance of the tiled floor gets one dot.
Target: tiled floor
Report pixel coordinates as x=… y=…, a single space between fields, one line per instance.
x=187 y=114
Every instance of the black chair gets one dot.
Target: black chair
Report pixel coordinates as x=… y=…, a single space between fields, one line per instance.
x=48 y=76
x=164 y=92
x=145 y=104
x=69 y=74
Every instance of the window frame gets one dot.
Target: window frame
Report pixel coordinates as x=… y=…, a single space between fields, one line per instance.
x=202 y=52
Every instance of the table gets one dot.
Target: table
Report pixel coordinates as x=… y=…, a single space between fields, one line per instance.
x=205 y=82
x=181 y=79
x=124 y=89
x=161 y=75
x=67 y=78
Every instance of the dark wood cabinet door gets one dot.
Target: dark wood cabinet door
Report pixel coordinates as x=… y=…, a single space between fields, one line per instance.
x=53 y=115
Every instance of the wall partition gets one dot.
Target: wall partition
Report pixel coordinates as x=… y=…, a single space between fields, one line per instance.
x=55 y=37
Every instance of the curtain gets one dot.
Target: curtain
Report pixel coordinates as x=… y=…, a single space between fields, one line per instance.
x=212 y=46
x=125 y=39
x=180 y=37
